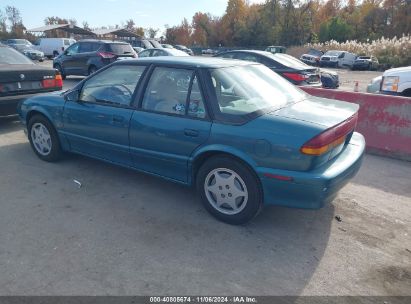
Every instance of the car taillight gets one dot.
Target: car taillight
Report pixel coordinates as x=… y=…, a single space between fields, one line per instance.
x=106 y=55
x=296 y=76
x=56 y=82
x=330 y=138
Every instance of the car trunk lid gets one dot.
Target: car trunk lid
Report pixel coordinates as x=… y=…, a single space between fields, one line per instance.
x=16 y=79
x=335 y=121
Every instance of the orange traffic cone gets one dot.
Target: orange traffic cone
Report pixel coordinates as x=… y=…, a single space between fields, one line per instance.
x=356 y=86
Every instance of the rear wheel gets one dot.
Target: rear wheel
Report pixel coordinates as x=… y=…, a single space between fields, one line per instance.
x=229 y=190
x=44 y=139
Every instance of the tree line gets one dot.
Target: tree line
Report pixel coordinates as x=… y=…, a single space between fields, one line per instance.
x=294 y=22
x=11 y=25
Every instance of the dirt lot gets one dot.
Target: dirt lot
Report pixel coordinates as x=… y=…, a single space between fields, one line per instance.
x=126 y=233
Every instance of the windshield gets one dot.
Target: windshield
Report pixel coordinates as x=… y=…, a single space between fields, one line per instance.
x=11 y=56
x=333 y=53
x=156 y=44
x=246 y=89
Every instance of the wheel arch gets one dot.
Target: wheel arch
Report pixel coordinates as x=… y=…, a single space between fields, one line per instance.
x=201 y=156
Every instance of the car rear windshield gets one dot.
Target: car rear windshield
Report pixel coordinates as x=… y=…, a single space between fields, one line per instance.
x=119 y=48
x=289 y=61
x=11 y=56
x=243 y=90
x=332 y=53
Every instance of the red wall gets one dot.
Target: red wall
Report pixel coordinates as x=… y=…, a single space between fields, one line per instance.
x=385 y=121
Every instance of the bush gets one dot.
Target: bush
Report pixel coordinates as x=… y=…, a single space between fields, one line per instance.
x=393 y=52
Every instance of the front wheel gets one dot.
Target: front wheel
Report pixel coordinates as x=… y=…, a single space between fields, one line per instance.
x=44 y=139
x=229 y=190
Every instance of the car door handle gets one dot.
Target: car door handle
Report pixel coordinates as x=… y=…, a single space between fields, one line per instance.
x=190 y=132
x=118 y=118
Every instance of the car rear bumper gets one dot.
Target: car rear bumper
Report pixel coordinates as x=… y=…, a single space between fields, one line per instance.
x=8 y=104
x=313 y=189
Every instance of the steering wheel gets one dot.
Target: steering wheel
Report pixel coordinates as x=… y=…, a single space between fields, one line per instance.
x=124 y=87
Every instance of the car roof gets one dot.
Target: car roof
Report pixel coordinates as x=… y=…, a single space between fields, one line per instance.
x=190 y=61
x=249 y=51
x=102 y=41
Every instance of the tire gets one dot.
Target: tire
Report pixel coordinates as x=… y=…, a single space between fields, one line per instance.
x=92 y=69
x=60 y=69
x=237 y=197
x=44 y=139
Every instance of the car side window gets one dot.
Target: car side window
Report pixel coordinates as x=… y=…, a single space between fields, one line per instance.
x=167 y=90
x=143 y=54
x=85 y=47
x=114 y=85
x=158 y=53
x=196 y=106
x=73 y=49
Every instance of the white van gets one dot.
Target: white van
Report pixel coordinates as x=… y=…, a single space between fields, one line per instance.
x=338 y=59
x=52 y=47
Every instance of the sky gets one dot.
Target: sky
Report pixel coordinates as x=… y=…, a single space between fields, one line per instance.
x=153 y=13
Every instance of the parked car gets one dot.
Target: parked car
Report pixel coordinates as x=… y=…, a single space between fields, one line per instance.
x=274 y=49
x=365 y=63
x=338 y=59
x=167 y=46
x=87 y=56
x=239 y=132
x=397 y=82
x=13 y=42
x=161 y=52
x=21 y=78
x=52 y=47
x=29 y=51
x=208 y=52
x=184 y=49
x=285 y=65
x=312 y=57
x=375 y=85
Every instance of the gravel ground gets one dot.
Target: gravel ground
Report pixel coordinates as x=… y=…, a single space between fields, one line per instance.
x=126 y=233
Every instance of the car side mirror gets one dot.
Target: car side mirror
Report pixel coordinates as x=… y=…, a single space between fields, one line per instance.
x=66 y=53
x=72 y=95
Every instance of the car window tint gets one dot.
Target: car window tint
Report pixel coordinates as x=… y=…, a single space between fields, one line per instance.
x=73 y=49
x=167 y=90
x=196 y=106
x=11 y=56
x=113 y=86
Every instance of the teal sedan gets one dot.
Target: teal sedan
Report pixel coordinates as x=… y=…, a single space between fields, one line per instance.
x=238 y=132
